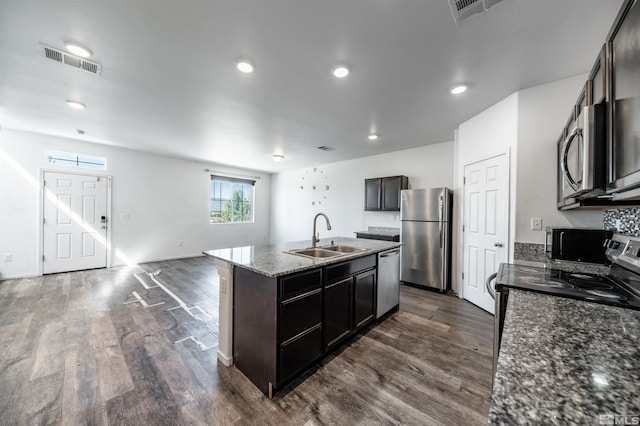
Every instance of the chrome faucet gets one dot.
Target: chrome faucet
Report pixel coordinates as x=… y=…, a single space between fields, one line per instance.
x=314 y=237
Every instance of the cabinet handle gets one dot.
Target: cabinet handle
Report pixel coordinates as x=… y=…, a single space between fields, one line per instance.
x=565 y=153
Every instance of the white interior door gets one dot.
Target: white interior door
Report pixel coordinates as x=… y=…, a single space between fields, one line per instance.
x=486 y=226
x=75 y=222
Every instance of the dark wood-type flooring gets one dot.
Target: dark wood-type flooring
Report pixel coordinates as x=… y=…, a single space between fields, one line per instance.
x=82 y=348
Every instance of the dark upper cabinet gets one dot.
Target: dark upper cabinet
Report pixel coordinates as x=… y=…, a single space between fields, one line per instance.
x=624 y=103
x=383 y=194
x=597 y=92
x=372 y=194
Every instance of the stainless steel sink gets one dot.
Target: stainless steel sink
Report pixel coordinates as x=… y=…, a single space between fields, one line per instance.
x=343 y=249
x=326 y=251
x=315 y=253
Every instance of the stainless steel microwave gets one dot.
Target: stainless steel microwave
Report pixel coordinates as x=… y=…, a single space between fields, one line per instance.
x=582 y=165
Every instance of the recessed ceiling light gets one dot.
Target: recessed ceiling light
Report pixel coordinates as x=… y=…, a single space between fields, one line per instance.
x=78 y=49
x=373 y=136
x=244 y=66
x=460 y=88
x=76 y=104
x=341 y=71
x=278 y=157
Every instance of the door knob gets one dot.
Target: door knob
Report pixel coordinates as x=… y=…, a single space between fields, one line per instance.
x=498 y=244
x=103 y=227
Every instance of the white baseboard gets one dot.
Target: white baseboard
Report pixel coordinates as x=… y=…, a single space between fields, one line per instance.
x=13 y=277
x=226 y=360
x=114 y=265
x=161 y=259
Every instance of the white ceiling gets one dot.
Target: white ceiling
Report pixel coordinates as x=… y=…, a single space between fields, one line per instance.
x=169 y=84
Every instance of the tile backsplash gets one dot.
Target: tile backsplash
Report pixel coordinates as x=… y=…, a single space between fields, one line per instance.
x=625 y=221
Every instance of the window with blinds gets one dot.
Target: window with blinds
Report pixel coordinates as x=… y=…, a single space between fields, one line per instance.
x=231 y=200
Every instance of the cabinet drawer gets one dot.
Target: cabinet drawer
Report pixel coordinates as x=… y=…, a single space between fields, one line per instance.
x=300 y=313
x=297 y=284
x=299 y=353
x=352 y=267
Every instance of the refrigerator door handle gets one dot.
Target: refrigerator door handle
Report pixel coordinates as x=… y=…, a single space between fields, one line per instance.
x=440 y=217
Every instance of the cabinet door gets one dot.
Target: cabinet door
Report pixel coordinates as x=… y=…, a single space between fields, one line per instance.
x=365 y=286
x=598 y=79
x=338 y=303
x=391 y=187
x=372 y=194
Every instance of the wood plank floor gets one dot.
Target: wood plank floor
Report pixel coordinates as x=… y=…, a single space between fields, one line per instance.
x=127 y=346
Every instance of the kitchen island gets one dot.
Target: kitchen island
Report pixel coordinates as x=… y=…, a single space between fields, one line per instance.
x=566 y=361
x=281 y=312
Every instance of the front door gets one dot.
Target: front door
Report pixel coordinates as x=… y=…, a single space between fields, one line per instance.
x=486 y=226
x=75 y=222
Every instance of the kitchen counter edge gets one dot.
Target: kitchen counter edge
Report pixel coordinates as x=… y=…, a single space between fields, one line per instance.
x=273 y=260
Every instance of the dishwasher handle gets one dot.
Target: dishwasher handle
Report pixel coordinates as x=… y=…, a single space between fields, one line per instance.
x=390 y=253
x=490 y=288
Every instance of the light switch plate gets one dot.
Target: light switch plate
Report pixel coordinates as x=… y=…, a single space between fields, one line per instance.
x=7 y=257
x=536 y=224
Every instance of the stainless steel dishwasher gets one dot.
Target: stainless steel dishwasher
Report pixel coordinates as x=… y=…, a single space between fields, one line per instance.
x=388 y=281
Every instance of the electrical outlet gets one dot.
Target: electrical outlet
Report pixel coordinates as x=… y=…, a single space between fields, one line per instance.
x=536 y=224
x=7 y=257
x=180 y=244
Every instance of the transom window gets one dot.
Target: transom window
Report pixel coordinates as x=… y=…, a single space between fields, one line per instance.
x=70 y=159
x=231 y=200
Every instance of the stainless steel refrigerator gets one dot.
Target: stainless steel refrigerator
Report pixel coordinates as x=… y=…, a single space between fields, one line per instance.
x=425 y=255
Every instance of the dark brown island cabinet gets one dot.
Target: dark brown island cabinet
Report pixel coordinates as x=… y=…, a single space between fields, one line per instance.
x=383 y=194
x=285 y=325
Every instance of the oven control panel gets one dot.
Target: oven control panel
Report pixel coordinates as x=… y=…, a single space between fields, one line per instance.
x=624 y=250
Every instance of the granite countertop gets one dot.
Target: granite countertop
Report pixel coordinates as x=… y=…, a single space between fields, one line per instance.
x=273 y=261
x=565 y=361
x=387 y=232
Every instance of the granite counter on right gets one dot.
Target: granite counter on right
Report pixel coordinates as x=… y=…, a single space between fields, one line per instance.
x=565 y=361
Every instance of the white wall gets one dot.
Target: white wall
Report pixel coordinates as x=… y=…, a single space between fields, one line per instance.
x=293 y=212
x=490 y=133
x=167 y=200
x=526 y=125
x=542 y=113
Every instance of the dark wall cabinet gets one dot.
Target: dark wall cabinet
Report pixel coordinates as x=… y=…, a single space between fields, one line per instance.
x=383 y=194
x=282 y=326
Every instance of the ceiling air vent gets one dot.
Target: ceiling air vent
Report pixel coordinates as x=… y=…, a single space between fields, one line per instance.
x=74 y=61
x=463 y=9
x=326 y=148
